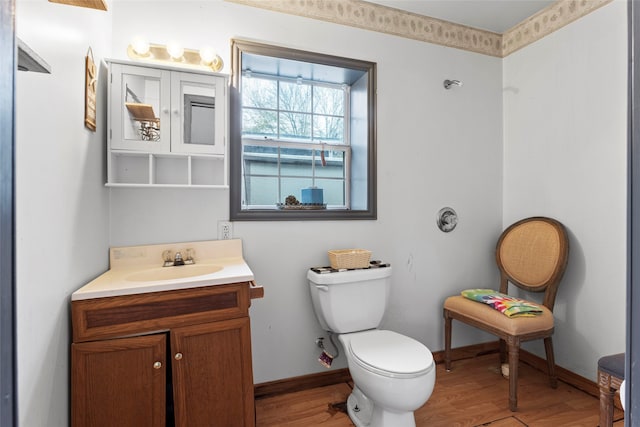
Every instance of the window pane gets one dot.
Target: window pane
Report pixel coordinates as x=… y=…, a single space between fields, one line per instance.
x=295 y=162
x=295 y=97
x=294 y=186
x=260 y=160
x=334 y=165
x=295 y=125
x=259 y=93
x=333 y=191
x=259 y=123
x=260 y=190
x=330 y=129
x=328 y=100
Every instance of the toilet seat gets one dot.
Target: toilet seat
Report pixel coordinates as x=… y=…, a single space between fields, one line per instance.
x=390 y=354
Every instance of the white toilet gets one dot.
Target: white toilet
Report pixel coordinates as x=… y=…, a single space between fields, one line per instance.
x=393 y=374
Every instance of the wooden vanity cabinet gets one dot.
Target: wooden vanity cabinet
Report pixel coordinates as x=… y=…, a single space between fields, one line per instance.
x=199 y=338
x=119 y=382
x=214 y=359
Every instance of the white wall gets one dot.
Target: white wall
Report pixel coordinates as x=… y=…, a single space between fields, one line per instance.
x=436 y=148
x=565 y=150
x=62 y=206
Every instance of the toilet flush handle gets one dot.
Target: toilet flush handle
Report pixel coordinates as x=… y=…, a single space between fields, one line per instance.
x=322 y=288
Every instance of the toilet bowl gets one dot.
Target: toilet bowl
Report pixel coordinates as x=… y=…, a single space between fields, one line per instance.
x=393 y=375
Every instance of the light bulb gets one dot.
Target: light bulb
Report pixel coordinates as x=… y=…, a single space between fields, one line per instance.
x=140 y=46
x=175 y=50
x=208 y=55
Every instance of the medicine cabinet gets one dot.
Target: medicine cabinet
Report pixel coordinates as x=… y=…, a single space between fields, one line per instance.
x=167 y=126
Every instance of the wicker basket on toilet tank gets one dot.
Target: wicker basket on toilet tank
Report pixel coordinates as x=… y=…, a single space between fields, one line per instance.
x=349 y=258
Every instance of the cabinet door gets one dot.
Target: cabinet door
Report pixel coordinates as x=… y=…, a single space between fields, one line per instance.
x=119 y=382
x=198 y=107
x=139 y=109
x=212 y=374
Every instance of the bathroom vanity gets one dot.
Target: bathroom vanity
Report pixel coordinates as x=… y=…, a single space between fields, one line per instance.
x=160 y=346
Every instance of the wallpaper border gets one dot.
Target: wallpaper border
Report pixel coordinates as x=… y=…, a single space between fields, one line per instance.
x=374 y=17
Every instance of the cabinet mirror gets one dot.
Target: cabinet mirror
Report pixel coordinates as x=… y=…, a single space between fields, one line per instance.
x=142 y=102
x=199 y=119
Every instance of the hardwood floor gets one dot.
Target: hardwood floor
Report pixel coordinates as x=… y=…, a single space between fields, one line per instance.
x=472 y=394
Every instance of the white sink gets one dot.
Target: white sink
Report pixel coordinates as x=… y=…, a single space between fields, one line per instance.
x=173 y=273
x=138 y=269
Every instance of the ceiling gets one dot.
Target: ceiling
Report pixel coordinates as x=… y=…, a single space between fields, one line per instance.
x=492 y=15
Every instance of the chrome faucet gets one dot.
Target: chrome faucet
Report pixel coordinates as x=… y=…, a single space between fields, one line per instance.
x=178 y=259
x=171 y=260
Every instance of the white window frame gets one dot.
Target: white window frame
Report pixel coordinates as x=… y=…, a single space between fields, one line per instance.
x=305 y=144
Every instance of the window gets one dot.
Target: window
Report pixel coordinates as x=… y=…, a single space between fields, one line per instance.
x=302 y=126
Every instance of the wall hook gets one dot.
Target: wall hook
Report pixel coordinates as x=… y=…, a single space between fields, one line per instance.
x=448 y=83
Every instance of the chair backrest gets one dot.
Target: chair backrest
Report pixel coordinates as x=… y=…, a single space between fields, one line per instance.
x=532 y=254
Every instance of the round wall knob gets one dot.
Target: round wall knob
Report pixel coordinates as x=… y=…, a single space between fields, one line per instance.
x=178 y=356
x=447 y=219
x=157 y=365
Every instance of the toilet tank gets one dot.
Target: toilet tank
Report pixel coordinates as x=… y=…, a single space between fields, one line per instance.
x=350 y=301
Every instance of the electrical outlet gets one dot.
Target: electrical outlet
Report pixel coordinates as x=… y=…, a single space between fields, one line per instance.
x=225 y=230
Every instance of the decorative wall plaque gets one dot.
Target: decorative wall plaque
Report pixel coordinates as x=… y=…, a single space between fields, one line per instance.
x=91 y=82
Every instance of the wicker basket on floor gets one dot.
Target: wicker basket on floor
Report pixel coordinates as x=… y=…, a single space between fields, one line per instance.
x=349 y=258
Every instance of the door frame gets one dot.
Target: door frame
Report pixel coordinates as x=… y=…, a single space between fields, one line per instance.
x=632 y=370
x=8 y=66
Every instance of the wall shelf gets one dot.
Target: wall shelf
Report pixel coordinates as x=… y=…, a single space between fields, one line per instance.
x=28 y=60
x=168 y=170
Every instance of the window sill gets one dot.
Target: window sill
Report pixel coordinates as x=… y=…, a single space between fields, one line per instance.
x=302 y=215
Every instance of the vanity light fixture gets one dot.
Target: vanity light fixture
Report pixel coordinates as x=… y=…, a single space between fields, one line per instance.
x=174 y=53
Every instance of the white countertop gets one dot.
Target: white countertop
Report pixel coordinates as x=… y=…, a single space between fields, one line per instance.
x=127 y=262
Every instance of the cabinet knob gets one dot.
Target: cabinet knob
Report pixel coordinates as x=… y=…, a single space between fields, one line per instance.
x=178 y=356
x=157 y=365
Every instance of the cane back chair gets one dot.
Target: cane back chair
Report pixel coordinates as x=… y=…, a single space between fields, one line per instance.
x=531 y=254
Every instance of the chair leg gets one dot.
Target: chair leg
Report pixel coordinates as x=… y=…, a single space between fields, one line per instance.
x=606 y=406
x=514 y=356
x=551 y=363
x=447 y=341
x=503 y=351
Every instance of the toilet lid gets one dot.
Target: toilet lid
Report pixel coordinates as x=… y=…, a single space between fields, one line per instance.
x=387 y=352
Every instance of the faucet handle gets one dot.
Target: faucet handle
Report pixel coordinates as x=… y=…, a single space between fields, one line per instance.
x=189 y=256
x=167 y=257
